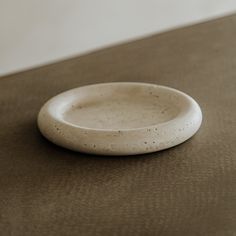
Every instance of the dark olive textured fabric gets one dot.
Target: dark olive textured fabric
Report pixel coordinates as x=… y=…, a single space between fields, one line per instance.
x=186 y=190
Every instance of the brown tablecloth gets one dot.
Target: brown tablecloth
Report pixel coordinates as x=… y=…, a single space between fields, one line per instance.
x=186 y=190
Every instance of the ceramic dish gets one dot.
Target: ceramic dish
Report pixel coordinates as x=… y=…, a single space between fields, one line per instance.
x=120 y=118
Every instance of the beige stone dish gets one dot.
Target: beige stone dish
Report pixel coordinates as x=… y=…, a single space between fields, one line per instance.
x=121 y=118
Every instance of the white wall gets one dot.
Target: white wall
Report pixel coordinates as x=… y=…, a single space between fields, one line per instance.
x=35 y=32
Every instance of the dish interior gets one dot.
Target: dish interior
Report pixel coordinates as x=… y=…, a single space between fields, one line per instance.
x=120 y=108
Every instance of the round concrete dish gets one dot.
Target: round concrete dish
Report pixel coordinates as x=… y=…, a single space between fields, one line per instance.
x=120 y=118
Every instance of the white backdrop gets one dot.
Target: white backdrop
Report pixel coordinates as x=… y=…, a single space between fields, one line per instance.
x=36 y=32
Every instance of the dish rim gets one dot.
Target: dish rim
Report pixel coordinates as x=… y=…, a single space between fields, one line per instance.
x=58 y=118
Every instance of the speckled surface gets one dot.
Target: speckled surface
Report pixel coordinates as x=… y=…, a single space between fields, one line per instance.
x=120 y=118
